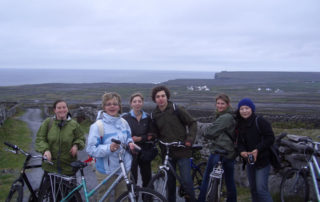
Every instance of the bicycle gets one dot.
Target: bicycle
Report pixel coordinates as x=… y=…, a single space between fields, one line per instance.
x=159 y=181
x=197 y=169
x=16 y=190
x=294 y=184
x=214 y=191
x=134 y=193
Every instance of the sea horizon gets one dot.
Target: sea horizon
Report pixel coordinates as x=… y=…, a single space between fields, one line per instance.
x=16 y=77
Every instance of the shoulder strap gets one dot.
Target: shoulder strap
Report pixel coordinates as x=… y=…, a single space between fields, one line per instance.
x=257 y=124
x=49 y=125
x=100 y=127
x=176 y=111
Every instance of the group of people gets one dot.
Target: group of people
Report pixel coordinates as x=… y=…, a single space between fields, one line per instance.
x=59 y=138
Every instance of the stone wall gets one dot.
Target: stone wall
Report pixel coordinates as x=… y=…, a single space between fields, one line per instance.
x=7 y=110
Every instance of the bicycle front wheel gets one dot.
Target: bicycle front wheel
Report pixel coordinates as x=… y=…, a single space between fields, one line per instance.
x=15 y=194
x=159 y=183
x=142 y=194
x=214 y=191
x=294 y=186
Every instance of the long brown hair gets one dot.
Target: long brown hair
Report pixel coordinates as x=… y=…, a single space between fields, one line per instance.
x=223 y=97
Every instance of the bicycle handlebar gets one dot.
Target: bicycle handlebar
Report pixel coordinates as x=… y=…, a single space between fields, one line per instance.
x=16 y=149
x=177 y=144
x=126 y=147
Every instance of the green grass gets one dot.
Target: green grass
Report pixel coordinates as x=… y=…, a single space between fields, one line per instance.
x=85 y=126
x=15 y=132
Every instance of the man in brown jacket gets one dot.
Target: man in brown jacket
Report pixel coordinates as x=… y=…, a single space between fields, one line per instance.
x=170 y=124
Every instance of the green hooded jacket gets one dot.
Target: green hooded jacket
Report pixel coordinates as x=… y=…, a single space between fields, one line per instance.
x=59 y=141
x=219 y=133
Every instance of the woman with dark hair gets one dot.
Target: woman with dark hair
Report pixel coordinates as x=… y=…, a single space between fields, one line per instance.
x=139 y=122
x=219 y=135
x=255 y=138
x=59 y=138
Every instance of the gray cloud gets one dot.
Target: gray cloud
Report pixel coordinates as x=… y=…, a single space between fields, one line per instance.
x=188 y=34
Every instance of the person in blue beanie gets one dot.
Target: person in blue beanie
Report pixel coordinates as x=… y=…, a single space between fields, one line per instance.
x=255 y=138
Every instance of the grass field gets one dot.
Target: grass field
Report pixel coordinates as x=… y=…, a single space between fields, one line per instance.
x=15 y=132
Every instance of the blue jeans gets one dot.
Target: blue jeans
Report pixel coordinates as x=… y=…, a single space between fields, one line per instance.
x=185 y=175
x=228 y=167
x=258 y=180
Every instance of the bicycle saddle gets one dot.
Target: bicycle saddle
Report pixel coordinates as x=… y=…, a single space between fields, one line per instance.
x=196 y=147
x=221 y=151
x=78 y=164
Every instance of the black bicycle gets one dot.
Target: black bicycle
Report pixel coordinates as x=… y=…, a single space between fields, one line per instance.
x=197 y=169
x=159 y=181
x=16 y=190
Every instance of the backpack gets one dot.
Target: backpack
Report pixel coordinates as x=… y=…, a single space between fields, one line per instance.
x=91 y=160
x=275 y=160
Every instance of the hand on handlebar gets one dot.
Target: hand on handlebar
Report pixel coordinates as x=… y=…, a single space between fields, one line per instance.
x=47 y=155
x=114 y=147
x=188 y=144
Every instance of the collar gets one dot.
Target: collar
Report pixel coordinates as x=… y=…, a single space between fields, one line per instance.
x=111 y=120
x=144 y=114
x=228 y=110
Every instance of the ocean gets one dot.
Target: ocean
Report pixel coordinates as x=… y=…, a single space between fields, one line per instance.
x=14 y=77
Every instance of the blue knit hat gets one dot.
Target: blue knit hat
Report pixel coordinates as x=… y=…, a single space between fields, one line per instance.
x=247 y=102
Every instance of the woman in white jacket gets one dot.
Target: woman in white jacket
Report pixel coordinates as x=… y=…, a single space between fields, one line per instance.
x=100 y=146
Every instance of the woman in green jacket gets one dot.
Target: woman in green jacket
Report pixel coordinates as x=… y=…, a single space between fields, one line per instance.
x=219 y=135
x=59 y=138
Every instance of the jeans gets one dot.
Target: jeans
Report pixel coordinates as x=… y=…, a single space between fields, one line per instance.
x=258 y=180
x=228 y=167
x=185 y=175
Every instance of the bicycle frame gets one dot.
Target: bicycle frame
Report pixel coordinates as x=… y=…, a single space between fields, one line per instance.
x=123 y=174
x=87 y=194
x=313 y=165
x=23 y=177
x=167 y=167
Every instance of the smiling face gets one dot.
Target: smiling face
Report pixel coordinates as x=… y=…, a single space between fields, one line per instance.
x=161 y=100
x=245 y=111
x=61 y=110
x=136 y=103
x=112 y=107
x=221 y=105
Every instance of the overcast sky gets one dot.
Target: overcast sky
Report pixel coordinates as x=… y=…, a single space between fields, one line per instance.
x=206 y=35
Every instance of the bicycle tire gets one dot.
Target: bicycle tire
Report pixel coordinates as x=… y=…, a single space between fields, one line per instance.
x=294 y=186
x=45 y=194
x=15 y=193
x=142 y=194
x=197 y=174
x=214 y=191
x=157 y=183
